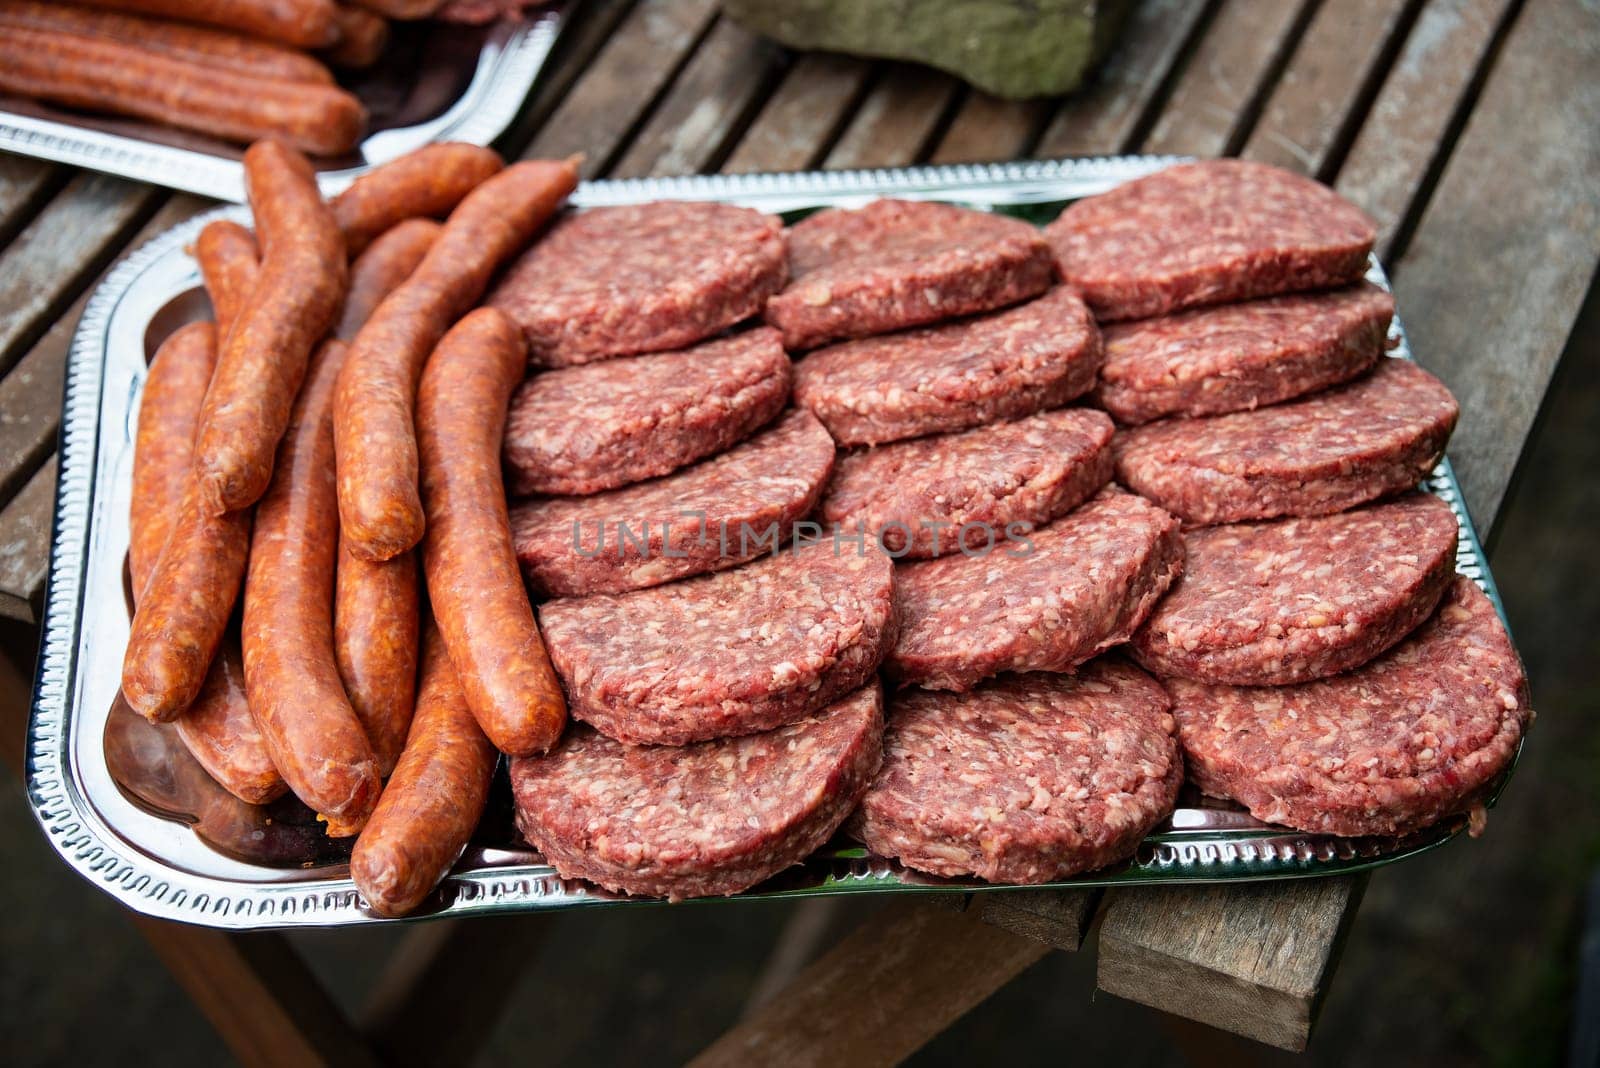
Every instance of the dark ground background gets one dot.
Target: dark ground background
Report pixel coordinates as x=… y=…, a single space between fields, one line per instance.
x=1465 y=956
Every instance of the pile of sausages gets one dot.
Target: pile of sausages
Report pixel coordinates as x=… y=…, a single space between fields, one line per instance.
x=238 y=70
x=342 y=414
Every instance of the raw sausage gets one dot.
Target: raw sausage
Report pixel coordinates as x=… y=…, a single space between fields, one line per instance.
x=381 y=269
x=402 y=9
x=304 y=23
x=290 y=675
x=99 y=74
x=221 y=733
x=163 y=449
x=374 y=416
x=428 y=182
x=433 y=801
x=362 y=38
x=198 y=45
x=230 y=264
x=375 y=602
x=303 y=276
x=477 y=593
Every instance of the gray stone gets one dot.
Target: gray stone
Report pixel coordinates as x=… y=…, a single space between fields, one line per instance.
x=1012 y=48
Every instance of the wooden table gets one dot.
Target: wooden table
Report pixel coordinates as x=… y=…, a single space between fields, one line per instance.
x=1467 y=128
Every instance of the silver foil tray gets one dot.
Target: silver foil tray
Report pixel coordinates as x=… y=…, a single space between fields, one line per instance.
x=438 y=83
x=169 y=846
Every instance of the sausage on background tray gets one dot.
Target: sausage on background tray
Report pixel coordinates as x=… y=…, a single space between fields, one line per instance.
x=303 y=23
x=402 y=9
x=477 y=593
x=290 y=675
x=432 y=803
x=100 y=74
x=221 y=733
x=362 y=39
x=196 y=44
x=263 y=360
x=429 y=182
x=230 y=266
x=375 y=413
x=375 y=601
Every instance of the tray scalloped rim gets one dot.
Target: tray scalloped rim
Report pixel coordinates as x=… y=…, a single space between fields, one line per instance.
x=151 y=887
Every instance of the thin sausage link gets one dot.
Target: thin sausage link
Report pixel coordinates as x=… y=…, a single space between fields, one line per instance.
x=473 y=582
x=221 y=733
x=402 y=9
x=427 y=183
x=230 y=266
x=291 y=678
x=362 y=39
x=263 y=360
x=374 y=420
x=380 y=270
x=303 y=23
x=433 y=801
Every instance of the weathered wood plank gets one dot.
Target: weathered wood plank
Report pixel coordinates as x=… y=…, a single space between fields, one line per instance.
x=60 y=249
x=1505 y=252
x=706 y=106
x=25 y=545
x=986 y=128
x=623 y=82
x=895 y=122
x=1058 y=918
x=574 y=51
x=1217 y=96
x=25 y=184
x=1407 y=131
x=1322 y=94
x=1251 y=959
x=1109 y=115
x=881 y=993
x=802 y=117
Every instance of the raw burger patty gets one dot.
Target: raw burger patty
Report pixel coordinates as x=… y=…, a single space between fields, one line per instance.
x=698 y=820
x=718 y=513
x=1208 y=233
x=1241 y=356
x=592 y=428
x=1416 y=735
x=1325 y=453
x=941 y=378
x=1087 y=582
x=641 y=278
x=1027 y=779
x=1268 y=604
x=733 y=653
x=897 y=263
x=935 y=496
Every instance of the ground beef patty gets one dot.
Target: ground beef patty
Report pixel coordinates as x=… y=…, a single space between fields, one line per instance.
x=1026 y=779
x=897 y=263
x=1416 y=735
x=1269 y=604
x=1077 y=587
x=698 y=820
x=586 y=429
x=941 y=378
x=934 y=496
x=733 y=653
x=1323 y=454
x=1241 y=356
x=1208 y=233
x=641 y=278
x=720 y=512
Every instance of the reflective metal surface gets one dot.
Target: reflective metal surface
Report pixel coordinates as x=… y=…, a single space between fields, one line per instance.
x=436 y=83
x=125 y=805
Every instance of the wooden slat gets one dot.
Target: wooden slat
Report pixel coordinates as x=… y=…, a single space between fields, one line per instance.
x=1250 y=959
x=1110 y=114
x=606 y=104
x=708 y=103
x=802 y=117
x=802 y=937
x=1323 y=92
x=1506 y=250
x=63 y=247
x=25 y=185
x=897 y=119
x=987 y=128
x=580 y=40
x=1407 y=133
x=881 y=993
x=1217 y=96
x=25 y=545
x=1058 y=918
